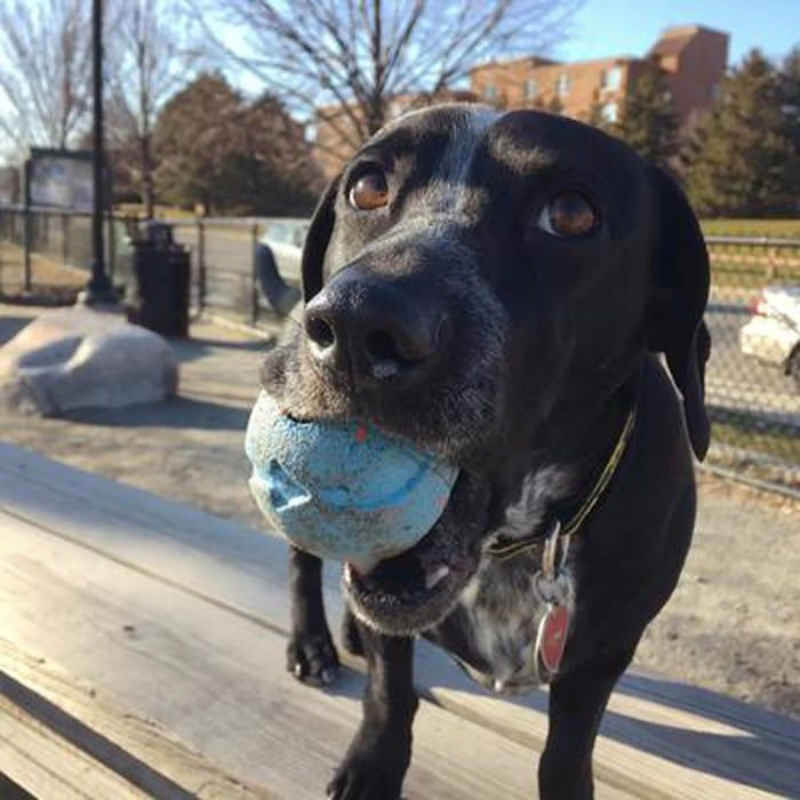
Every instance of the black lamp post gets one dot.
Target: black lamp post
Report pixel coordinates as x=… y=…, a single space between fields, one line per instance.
x=99 y=289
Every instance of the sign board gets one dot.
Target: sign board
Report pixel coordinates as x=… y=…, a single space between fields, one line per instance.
x=60 y=179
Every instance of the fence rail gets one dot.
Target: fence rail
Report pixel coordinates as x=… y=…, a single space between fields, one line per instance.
x=754 y=404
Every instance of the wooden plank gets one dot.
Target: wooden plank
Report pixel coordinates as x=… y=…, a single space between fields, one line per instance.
x=216 y=679
x=653 y=737
x=12 y=791
x=49 y=767
x=642 y=758
x=82 y=728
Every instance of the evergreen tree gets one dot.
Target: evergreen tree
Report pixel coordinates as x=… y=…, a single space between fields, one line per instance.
x=648 y=121
x=194 y=133
x=741 y=160
x=789 y=79
x=231 y=156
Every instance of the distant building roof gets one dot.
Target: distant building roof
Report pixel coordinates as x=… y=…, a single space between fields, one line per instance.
x=531 y=61
x=674 y=40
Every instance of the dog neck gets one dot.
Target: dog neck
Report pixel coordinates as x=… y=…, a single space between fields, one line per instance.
x=568 y=477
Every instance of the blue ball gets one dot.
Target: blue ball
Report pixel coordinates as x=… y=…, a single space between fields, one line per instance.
x=343 y=491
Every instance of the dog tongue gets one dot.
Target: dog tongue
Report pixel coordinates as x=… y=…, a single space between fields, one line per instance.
x=362 y=566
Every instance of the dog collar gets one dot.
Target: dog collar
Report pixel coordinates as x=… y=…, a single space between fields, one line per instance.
x=506 y=550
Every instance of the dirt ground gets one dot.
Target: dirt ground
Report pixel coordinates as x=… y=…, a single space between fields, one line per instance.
x=49 y=278
x=732 y=625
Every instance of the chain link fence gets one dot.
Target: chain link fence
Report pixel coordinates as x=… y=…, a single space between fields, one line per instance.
x=752 y=379
x=46 y=255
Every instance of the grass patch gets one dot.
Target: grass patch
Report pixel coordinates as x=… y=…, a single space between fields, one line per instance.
x=751 y=276
x=775 y=443
x=739 y=276
x=160 y=211
x=780 y=228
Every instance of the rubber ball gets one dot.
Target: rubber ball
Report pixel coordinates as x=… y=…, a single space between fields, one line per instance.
x=343 y=491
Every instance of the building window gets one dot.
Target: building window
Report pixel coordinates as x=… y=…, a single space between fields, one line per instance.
x=563 y=84
x=490 y=92
x=610 y=112
x=611 y=79
x=530 y=89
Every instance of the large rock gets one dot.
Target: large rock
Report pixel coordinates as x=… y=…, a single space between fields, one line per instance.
x=77 y=357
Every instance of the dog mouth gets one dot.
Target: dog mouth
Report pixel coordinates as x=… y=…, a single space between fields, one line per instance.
x=412 y=591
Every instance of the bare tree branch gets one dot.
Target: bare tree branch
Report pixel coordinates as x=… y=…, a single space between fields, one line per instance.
x=343 y=63
x=152 y=57
x=45 y=75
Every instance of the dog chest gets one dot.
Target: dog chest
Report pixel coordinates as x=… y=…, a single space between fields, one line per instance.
x=501 y=611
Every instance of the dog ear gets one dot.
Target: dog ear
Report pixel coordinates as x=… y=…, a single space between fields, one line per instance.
x=316 y=243
x=678 y=297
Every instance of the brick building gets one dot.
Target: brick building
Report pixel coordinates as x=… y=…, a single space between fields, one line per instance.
x=336 y=136
x=694 y=60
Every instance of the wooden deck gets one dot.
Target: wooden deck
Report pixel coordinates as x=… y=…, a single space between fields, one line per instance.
x=141 y=655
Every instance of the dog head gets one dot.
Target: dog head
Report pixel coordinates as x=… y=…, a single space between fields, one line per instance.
x=478 y=283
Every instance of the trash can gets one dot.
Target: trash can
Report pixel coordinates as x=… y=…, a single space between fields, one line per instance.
x=157 y=290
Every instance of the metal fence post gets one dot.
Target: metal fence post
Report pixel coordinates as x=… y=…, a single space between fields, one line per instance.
x=27 y=230
x=28 y=236
x=254 y=276
x=112 y=246
x=64 y=233
x=772 y=262
x=201 y=266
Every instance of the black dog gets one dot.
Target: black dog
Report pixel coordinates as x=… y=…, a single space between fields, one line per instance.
x=495 y=288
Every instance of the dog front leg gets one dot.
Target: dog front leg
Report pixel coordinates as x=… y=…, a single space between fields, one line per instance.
x=311 y=655
x=379 y=755
x=577 y=703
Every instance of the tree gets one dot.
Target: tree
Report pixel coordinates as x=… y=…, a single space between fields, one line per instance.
x=648 y=121
x=152 y=56
x=279 y=175
x=789 y=87
x=344 y=63
x=741 y=160
x=45 y=71
x=217 y=150
x=193 y=133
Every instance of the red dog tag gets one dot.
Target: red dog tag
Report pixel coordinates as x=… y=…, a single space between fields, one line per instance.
x=552 y=638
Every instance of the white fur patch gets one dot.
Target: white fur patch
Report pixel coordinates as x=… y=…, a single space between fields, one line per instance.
x=448 y=193
x=538 y=490
x=505 y=609
x=503 y=601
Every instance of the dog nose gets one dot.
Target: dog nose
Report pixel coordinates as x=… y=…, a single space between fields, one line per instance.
x=372 y=328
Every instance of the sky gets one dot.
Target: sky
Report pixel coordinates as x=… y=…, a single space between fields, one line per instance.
x=604 y=28
x=629 y=27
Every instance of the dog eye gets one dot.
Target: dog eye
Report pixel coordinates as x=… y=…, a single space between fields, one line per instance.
x=568 y=214
x=369 y=191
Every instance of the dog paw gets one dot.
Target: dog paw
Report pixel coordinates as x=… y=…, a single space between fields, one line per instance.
x=312 y=658
x=374 y=767
x=357 y=779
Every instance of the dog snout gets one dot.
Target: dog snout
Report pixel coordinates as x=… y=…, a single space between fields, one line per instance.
x=374 y=329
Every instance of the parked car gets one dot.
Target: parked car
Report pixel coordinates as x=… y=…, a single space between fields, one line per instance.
x=285 y=238
x=773 y=332
x=278 y=255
